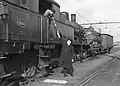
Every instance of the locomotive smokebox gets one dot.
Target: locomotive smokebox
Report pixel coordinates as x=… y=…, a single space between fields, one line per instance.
x=73 y=18
x=66 y=15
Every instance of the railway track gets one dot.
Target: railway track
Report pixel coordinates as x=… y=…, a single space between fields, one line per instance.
x=93 y=75
x=86 y=80
x=89 y=78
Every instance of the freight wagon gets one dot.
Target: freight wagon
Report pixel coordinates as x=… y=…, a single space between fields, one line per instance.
x=106 y=43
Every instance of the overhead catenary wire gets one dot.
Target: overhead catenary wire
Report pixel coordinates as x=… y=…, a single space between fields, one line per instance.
x=99 y=23
x=82 y=16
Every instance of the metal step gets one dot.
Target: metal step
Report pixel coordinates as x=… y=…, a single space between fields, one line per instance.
x=3 y=57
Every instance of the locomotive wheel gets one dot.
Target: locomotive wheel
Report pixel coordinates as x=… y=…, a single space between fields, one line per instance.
x=80 y=59
x=109 y=50
x=74 y=59
x=84 y=55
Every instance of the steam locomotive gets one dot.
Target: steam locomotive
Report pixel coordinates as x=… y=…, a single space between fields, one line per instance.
x=26 y=35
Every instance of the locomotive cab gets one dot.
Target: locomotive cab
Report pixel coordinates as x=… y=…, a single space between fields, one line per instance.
x=48 y=27
x=44 y=5
x=51 y=5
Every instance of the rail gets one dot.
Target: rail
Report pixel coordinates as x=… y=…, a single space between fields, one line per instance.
x=93 y=75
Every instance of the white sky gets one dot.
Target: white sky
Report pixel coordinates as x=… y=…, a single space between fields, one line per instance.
x=95 y=11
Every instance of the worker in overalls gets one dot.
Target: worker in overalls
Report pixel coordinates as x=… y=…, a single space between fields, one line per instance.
x=65 y=59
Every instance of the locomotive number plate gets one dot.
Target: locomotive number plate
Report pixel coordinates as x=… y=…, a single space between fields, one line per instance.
x=21 y=23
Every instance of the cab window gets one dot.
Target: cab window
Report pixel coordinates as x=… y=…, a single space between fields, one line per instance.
x=44 y=5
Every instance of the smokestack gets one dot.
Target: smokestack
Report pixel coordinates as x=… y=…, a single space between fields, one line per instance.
x=66 y=15
x=73 y=18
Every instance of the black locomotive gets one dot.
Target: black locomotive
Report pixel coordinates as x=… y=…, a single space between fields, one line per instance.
x=27 y=37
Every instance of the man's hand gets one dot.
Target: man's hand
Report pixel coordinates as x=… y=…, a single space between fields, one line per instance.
x=58 y=34
x=48 y=13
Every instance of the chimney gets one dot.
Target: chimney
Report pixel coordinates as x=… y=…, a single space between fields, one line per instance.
x=66 y=15
x=73 y=18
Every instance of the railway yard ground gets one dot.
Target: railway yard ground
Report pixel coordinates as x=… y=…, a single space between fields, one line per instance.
x=108 y=77
x=84 y=72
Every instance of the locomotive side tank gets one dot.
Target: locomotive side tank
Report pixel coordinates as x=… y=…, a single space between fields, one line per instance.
x=25 y=21
x=21 y=24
